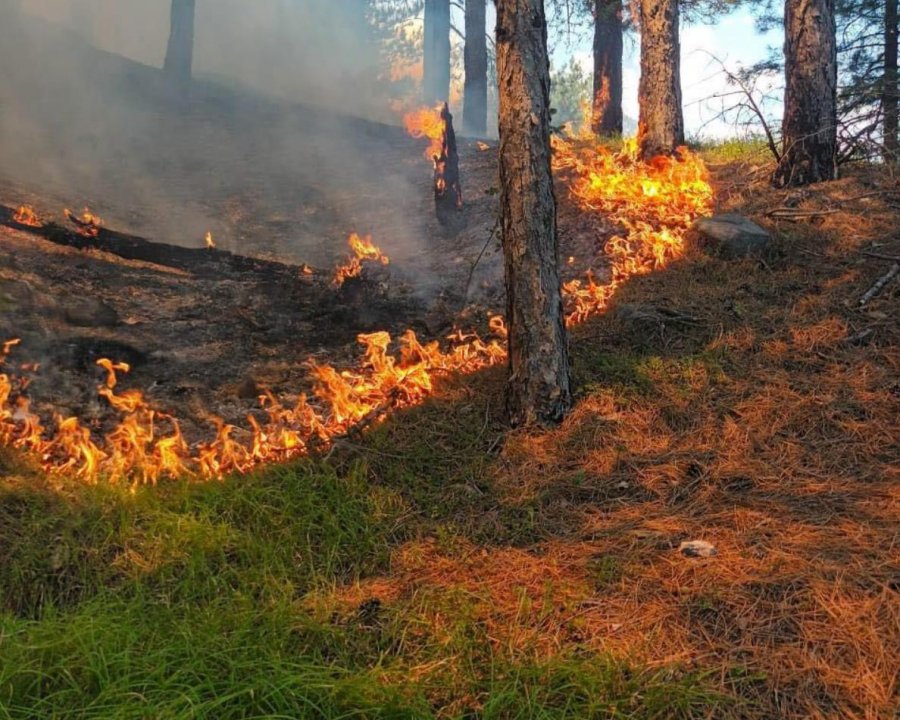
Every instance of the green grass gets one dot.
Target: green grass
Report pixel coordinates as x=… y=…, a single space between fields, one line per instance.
x=217 y=600
x=752 y=149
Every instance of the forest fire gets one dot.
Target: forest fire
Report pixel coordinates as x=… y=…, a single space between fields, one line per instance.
x=364 y=250
x=25 y=215
x=146 y=445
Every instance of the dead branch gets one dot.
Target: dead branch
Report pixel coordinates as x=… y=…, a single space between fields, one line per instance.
x=880 y=284
x=880 y=256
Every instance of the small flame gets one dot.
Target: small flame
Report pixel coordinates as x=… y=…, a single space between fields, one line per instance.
x=363 y=251
x=88 y=224
x=210 y=243
x=26 y=215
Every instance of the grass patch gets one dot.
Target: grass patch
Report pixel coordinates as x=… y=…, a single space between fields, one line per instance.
x=292 y=526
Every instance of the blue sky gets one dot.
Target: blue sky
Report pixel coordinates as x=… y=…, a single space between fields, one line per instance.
x=733 y=39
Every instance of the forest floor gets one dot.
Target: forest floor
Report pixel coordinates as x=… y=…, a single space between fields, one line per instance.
x=439 y=565
x=442 y=567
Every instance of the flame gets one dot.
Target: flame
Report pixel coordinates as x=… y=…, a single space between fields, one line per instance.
x=210 y=243
x=427 y=123
x=26 y=215
x=364 y=250
x=88 y=224
x=653 y=203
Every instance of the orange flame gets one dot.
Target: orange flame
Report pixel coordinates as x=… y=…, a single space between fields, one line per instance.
x=363 y=251
x=26 y=215
x=427 y=123
x=210 y=243
x=88 y=224
x=653 y=202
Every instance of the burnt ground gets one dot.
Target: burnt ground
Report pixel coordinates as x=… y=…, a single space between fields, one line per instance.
x=269 y=180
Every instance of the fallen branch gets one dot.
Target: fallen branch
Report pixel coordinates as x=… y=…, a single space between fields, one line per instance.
x=880 y=284
x=792 y=213
x=207 y=262
x=881 y=256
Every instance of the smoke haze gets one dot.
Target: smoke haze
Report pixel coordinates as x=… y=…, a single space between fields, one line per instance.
x=86 y=119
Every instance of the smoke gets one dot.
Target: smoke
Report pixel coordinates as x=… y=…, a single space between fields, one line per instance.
x=87 y=119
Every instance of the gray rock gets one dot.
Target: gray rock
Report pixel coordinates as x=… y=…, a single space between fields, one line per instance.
x=89 y=312
x=733 y=236
x=697 y=549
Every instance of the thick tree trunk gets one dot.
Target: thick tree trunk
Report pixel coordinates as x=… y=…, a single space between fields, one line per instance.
x=659 y=94
x=180 y=52
x=606 y=116
x=538 y=389
x=809 y=127
x=890 y=90
x=436 y=71
x=476 y=61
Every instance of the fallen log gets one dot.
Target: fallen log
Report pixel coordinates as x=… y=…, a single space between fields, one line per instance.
x=204 y=262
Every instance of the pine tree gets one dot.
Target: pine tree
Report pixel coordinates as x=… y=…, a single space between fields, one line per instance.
x=538 y=389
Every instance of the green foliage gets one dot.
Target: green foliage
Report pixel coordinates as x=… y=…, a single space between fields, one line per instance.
x=570 y=89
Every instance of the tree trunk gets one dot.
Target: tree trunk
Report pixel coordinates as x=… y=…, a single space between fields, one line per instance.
x=180 y=53
x=659 y=94
x=809 y=127
x=436 y=71
x=476 y=60
x=890 y=90
x=606 y=116
x=538 y=389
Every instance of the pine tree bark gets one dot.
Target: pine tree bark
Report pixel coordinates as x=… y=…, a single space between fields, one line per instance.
x=659 y=93
x=890 y=91
x=809 y=127
x=436 y=69
x=538 y=388
x=476 y=61
x=606 y=115
x=180 y=52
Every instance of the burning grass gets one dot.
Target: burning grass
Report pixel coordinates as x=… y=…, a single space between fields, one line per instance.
x=147 y=445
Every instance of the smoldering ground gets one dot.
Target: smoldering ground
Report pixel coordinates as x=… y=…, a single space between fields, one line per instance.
x=268 y=151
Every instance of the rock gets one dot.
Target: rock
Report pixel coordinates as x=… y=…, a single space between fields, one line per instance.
x=89 y=312
x=697 y=549
x=733 y=236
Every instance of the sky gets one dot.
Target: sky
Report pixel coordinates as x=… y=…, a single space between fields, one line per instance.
x=733 y=39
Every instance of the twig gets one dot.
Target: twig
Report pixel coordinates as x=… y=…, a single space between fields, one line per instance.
x=879 y=284
x=881 y=256
x=787 y=213
x=491 y=236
